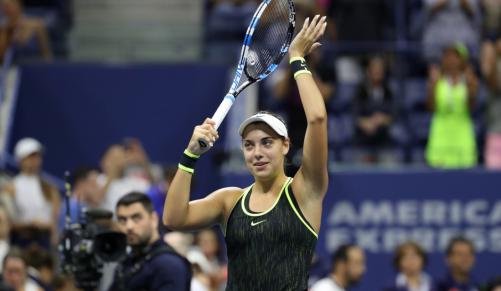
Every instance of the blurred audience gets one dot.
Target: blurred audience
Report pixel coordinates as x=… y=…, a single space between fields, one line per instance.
x=26 y=35
x=357 y=21
x=452 y=93
x=211 y=262
x=348 y=268
x=86 y=189
x=409 y=261
x=41 y=267
x=494 y=284
x=63 y=283
x=15 y=272
x=460 y=253
x=450 y=21
x=114 y=180
x=158 y=192
x=373 y=110
x=492 y=19
x=4 y=234
x=491 y=70
x=227 y=22
x=138 y=164
x=37 y=201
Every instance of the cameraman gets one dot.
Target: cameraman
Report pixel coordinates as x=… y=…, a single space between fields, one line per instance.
x=151 y=264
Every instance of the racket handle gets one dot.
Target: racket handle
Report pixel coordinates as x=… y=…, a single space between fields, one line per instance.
x=220 y=114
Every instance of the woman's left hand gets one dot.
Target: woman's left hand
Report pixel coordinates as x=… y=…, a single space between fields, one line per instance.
x=306 y=40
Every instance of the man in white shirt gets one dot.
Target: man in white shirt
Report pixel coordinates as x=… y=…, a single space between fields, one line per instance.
x=348 y=268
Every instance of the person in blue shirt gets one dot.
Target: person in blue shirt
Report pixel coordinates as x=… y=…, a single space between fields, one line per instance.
x=152 y=264
x=158 y=192
x=460 y=259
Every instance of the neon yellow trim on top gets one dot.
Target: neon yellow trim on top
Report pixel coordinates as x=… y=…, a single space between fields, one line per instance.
x=186 y=169
x=299 y=215
x=296 y=59
x=271 y=208
x=190 y=154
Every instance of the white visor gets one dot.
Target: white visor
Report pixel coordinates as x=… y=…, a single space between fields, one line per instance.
x=276 y=124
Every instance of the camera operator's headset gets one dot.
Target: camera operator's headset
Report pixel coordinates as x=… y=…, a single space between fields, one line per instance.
x=150 y=254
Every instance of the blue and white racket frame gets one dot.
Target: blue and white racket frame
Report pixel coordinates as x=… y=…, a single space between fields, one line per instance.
x=235 y=89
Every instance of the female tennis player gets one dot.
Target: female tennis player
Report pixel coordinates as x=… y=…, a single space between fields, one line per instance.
x=270 y=227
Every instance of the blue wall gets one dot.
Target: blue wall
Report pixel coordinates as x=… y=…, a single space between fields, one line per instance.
x=76 y=111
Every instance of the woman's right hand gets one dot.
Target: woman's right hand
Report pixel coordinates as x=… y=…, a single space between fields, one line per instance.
x=205 y=132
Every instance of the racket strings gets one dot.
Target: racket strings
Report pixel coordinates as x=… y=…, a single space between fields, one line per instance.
x=270 y=35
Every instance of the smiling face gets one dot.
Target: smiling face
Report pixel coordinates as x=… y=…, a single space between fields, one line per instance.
x=264 y=150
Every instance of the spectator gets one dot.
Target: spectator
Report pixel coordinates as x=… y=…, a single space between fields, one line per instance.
x=113 y=180
x=26 y=35
x=451 y=97
x=36 y=200
x=181 y=242
x=373 y=110
x=491 y=69
x=492 y=19
x=137 y=162
x=364 y=21
x=227 y=22
x=85 y=193
x=450 y=21
x=207 y=243
x=15 y=272
x=63 y=283
x=460 y=254
x=86 y=188
x=158 y=192
x=152 y=264
x=409 y=260
x=4 y=234
x=348 y=268
x=494 y=284
x=41 y=267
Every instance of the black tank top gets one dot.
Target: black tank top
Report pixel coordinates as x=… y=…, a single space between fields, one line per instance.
x=270 y=250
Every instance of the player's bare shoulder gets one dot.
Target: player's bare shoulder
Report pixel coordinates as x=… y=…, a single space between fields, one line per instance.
x=229 y=196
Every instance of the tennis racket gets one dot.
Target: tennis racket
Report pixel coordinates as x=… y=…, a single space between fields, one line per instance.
x=266 y=42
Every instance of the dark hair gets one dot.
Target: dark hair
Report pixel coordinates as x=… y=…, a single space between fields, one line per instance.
x=136 y=197
x=79 y=174
x=493 y=283
x=39 y=258
x=458 y=240
x=341 y=254
x=14 y=253
x=399 y=253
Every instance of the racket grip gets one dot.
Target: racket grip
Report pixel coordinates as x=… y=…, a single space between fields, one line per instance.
x=223 y=109
x=220 y=114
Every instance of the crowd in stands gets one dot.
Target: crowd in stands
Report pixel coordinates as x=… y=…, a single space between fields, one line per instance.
x=32 y=220
x=409 y=262
x=403 y=80
x=395 y=75
x=34 y=30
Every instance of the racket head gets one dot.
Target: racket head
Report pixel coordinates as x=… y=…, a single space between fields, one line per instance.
x=266 y=42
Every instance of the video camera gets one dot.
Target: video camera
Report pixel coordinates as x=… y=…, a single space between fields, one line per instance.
x=86 y=246
x=89 y=243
